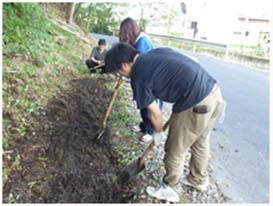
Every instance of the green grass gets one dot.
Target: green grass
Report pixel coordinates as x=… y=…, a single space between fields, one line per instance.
x=122 y=116
x=26 y=29
x=35 y=67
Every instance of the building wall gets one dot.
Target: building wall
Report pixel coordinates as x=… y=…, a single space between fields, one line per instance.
x=218 y=21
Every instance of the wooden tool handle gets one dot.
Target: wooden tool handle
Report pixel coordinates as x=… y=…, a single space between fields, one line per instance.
x=151 y=145
x=97 y=67
x=114 y=95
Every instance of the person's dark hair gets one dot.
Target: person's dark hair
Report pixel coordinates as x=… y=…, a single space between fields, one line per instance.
x=129 y=31
x=118 y=54
x=102 y=42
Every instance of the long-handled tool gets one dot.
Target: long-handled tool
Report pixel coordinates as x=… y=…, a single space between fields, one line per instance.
x=129 y=172
x=114 y=95
x=100 y=66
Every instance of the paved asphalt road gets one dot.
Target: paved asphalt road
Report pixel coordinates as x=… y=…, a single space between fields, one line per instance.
x=239 y=146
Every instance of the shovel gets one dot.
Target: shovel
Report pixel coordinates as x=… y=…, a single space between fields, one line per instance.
x=129 y=172
x=114 y=95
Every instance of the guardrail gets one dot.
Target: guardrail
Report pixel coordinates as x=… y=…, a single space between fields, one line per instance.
x=206 y=46
x=202 y=46
x=215 y=46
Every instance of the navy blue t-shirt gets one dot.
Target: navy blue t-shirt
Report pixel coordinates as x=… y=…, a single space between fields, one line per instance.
x=170 y=76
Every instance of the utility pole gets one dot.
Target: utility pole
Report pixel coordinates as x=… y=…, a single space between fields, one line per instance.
x=184 y=12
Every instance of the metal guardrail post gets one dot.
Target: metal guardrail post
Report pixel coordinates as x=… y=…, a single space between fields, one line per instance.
x=169 y=43
x=194 y=47
x=227 y=51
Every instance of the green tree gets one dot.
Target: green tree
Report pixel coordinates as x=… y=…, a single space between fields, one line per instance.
x=159 y=12
x=168 y=15
x=148 y=12
x=98 y=17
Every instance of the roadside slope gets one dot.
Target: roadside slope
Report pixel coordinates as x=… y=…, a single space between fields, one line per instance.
x=52 y=110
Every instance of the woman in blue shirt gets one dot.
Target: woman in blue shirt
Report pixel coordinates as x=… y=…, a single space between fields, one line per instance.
x=130 y=32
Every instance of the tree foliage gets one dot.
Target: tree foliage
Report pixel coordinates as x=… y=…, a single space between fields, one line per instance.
x=97 y=17
x=157 y=13
x=168 y=15
x=105 y=18
x=148 y=13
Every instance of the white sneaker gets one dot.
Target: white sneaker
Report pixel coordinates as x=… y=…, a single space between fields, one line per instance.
x=163 y=192
x=201 y=187
x=146 y=138
x=136 y=128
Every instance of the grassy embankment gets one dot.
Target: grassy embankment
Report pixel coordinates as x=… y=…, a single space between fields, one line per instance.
x=39 y=58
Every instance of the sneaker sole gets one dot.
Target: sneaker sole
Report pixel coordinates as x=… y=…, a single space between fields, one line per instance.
x=160 y=198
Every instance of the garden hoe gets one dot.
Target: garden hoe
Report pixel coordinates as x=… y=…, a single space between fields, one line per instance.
x=100 y=66
x=114 y=95
x=129 y=172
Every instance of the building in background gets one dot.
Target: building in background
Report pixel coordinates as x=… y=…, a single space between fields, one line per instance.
x=251 y=30
x=224 y=21
x=231 y=22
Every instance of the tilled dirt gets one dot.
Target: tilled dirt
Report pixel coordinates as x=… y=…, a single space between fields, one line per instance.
x=59 y=161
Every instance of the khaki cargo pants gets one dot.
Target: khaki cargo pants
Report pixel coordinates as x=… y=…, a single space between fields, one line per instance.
x=191 y=129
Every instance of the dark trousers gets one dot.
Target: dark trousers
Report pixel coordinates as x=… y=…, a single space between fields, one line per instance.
x=146 y=124
x=89 y=63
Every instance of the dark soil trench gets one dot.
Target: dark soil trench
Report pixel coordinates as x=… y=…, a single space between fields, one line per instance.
x=59 y=161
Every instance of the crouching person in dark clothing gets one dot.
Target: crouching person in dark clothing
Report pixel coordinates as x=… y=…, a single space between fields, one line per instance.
x=97 y=56
x=170 y=76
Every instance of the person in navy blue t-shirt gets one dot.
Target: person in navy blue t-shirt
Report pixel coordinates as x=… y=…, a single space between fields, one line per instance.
x=165 y=74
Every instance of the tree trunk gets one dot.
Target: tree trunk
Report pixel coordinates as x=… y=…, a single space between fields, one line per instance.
x=69 y=12
x=76 y=10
